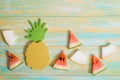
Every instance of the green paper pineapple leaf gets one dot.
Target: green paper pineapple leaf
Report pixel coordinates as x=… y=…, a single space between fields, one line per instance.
x=37 y=32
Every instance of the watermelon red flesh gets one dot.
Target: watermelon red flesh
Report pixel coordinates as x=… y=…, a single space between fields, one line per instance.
x=13 y=60
x=97 y=65
x=61 y=62
x=73 y=42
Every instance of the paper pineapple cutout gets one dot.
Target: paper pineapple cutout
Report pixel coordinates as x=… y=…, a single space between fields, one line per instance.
x=37 y=54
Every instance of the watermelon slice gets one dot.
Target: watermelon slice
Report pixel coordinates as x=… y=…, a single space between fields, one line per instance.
x=73 y=40
x=97 y=65
x=61 y=62
x=9 y=36
x=13 y=61
x=80 y=58
x=108 y=51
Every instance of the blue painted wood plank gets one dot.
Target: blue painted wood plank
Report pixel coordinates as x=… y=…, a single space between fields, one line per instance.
x=59 y=8
x=111 y=63
x=110 y=23
x=61 y=38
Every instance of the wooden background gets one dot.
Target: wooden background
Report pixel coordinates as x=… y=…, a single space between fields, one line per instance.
x=95 y=22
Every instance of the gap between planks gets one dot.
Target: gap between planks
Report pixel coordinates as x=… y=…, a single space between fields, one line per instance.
x=65 y=30
x=61 y=47
x=68 y=16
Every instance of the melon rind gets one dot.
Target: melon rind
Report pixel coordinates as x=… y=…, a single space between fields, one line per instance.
x=77 y=57
x=107 y=51
x=9 y=37
x=60 y=67
x=98 y=71
x=12 y=67
x=75 y=44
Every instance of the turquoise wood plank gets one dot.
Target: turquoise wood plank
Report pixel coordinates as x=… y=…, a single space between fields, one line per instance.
x=112 y=63
x=61 y=38
x=93 y=31
x=59 y=8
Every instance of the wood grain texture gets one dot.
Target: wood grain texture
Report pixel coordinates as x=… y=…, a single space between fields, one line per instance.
x=74 y=69
x=59 y=77
x=61 y=38
x=59 y=8
x=64 y=23
x=94 y=22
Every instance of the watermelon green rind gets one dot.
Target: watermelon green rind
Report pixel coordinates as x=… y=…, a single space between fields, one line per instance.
x=74 y=46
x=102 y=69
x=80 y=58
x=16 y=66
x=60 y=67
x=77 y=62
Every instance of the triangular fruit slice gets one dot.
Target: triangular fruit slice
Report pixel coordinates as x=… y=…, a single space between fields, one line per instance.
x=97 y=65
x=9 y=36
x=61 y=62
x=73 y=40
x=80 y=58
x=108 y=50
x=13 y=61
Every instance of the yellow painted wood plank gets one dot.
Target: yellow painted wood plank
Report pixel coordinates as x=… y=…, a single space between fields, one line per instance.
x=59 y=8
x=65 y=23
x=60 y=77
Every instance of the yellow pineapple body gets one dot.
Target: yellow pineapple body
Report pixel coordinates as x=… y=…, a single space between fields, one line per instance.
x=37 y=55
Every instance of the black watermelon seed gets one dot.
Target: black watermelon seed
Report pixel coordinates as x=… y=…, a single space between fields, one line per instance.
x=60 y=58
